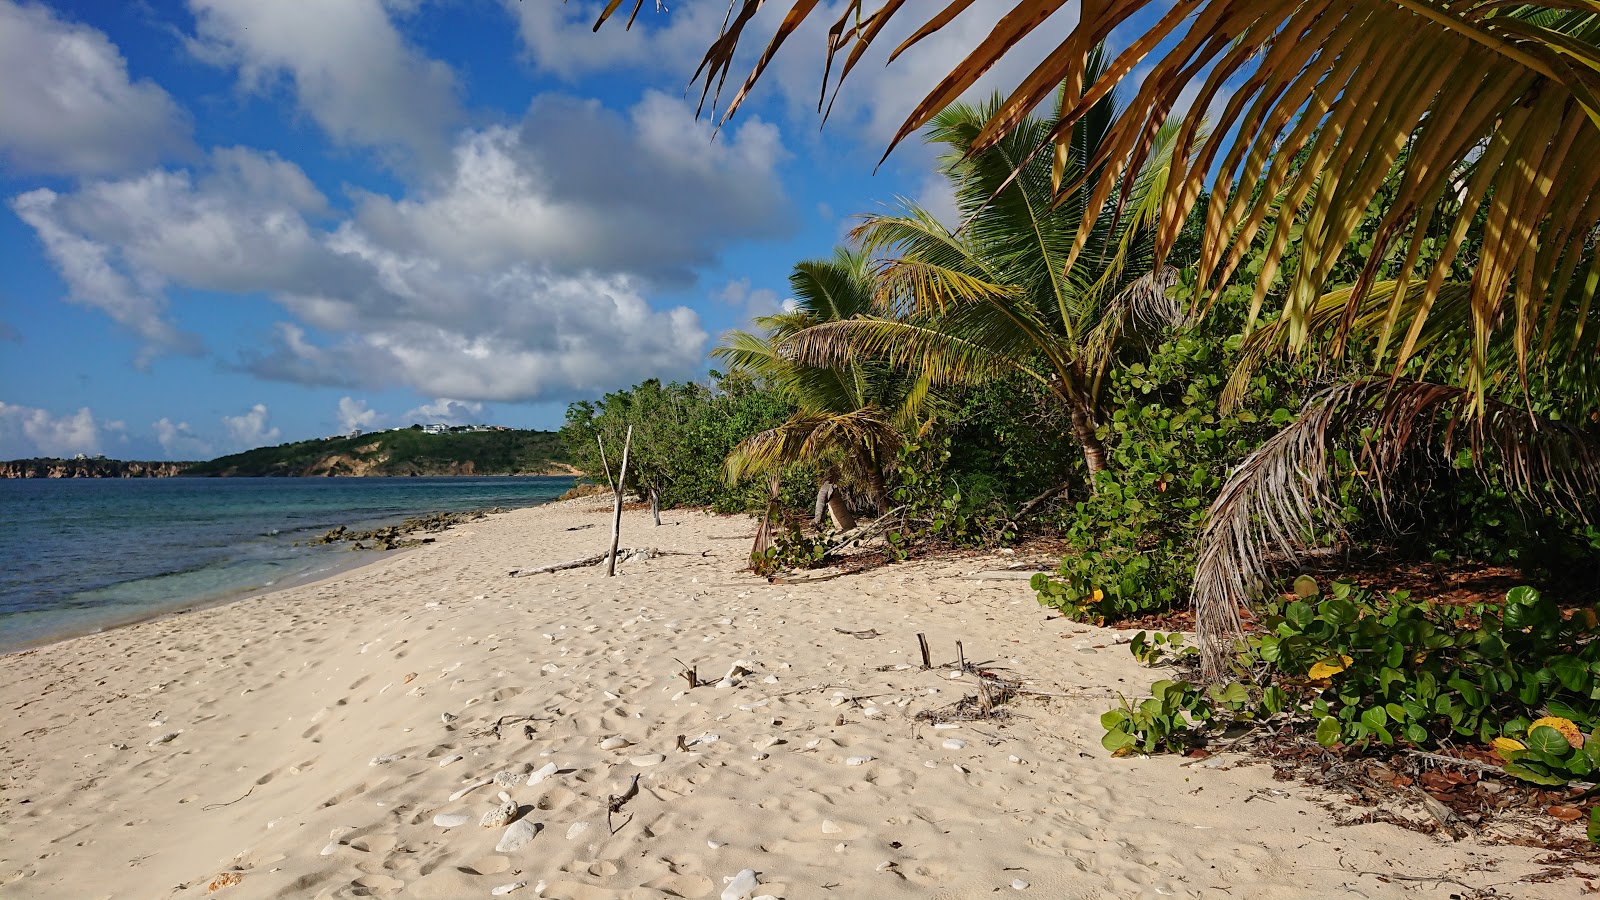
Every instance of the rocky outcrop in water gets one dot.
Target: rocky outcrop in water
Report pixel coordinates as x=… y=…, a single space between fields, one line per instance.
x=90 y=468
x=396 y=537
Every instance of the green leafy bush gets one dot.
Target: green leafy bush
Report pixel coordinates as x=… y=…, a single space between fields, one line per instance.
x=791 y=548
x=1169 y=450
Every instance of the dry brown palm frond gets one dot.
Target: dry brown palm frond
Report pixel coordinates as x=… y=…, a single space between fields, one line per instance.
x=1145 y=307
x=1488 y=110
x=1276 y=502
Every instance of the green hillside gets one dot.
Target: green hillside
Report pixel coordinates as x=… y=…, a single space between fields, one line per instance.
x=401 y=453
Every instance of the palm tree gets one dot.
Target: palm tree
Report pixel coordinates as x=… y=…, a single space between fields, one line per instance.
x=1000 y=296
x=851 y=413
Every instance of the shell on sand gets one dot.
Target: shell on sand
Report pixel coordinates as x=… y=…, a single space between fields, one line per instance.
x=508 y=888
x=575 y=829
x=544 y=772
x=614 y=743
x=469 y=789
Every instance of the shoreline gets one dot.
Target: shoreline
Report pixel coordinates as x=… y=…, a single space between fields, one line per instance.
x=305 y=579
x=171 y=581
x=324 y=740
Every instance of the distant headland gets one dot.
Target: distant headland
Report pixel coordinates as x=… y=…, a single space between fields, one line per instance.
x=431 y=450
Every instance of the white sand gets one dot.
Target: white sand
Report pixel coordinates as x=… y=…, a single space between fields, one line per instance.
x=283 y=704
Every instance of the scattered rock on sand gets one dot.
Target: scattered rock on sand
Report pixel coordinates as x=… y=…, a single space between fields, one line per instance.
x=648 y=759
x=615 y=742
x=740 y=886
x=518 y=835
x=508 y=888
x=502 y=814
x=451 y=820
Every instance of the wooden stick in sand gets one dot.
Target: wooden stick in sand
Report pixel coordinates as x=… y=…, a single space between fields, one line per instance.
x=616 y=490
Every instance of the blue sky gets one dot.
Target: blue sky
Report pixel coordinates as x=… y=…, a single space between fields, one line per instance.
x=232 y=222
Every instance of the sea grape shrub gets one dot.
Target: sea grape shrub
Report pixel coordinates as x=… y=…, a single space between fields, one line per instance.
x=791 y=548
x=1173 y=719
x=1168 y=451
x=1391 y=669
x=939 y=501
x=1373 y=671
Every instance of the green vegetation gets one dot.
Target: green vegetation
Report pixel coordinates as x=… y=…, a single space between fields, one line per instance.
x=404 y=452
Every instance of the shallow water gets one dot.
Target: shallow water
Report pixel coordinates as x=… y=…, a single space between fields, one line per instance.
x=80 y=554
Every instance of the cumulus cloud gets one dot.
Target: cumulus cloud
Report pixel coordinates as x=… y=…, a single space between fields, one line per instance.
x=446 y=411
x=520 y=274
x=27 y=431
x=70 y=106
x=351 y=69
x=250 y=430
x=120 y=243
x=356 y=415
x=580 y=186
x=754 y=303
x=178 y=440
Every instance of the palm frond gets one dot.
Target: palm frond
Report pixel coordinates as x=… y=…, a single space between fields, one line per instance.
x=1275 y=504
x=813 y=437
x=1319 y=102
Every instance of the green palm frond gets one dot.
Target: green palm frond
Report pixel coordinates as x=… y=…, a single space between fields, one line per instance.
x=814 y=437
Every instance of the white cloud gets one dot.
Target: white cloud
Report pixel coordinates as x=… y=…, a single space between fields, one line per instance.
x=351 y=69
x=446 y=411
x=27 y=431
x=179 y=441
x=70 y=107
x=937 y=195
x=754 y=303
x=94 y=278
x=520 y=274
x=356 y=415
x=250 y=430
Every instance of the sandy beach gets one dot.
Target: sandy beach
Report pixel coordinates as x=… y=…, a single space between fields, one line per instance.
x=342 y=739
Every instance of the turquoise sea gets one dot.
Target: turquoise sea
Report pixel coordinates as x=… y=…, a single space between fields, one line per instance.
x=82 y=554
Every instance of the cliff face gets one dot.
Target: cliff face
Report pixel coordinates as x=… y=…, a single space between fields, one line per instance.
x=90 y=468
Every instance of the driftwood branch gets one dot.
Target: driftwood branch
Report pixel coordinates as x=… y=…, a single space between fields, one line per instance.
x=615 y=803
x=624 y=554
x=1028 y=507
x=857 y=535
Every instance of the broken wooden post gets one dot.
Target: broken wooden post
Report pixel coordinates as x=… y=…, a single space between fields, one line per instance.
x=922 y=641
x=616 y=507
x=961 y=655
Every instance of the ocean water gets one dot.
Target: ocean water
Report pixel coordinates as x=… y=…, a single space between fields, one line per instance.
x=82 y=554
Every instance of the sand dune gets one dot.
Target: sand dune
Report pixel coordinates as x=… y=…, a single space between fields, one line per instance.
x=306 y=744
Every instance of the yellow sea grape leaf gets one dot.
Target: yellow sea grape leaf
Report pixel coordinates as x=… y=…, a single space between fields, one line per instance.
x=1330 y=667
x=1506 y=745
